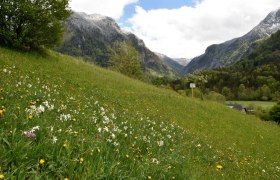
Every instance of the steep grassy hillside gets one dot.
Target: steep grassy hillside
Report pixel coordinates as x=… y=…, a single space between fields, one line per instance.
x=62 y=118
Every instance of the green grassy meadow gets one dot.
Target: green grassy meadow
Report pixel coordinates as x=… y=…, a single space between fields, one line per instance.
x=263 y=104
x=63 y=118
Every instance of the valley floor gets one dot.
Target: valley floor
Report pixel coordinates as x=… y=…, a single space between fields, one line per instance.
x=263 y=104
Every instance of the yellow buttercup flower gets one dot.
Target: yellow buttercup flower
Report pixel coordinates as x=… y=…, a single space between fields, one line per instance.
x=81 y=160
x=2 y=176
x=66 y=178
x=65 y=145
x=219 y=167
x=30 y=117
x=42 y=162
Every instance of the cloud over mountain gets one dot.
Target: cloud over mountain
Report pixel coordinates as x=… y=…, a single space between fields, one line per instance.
x=187 y=31
x=111 y=8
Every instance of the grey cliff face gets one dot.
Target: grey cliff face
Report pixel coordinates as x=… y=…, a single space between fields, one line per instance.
x=105 y=26
x=230 y=52
x=92 y=37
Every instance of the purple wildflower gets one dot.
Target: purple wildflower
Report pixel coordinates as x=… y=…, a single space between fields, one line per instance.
x=30 y=134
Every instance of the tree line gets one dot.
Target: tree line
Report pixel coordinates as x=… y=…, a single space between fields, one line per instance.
x=255 y=77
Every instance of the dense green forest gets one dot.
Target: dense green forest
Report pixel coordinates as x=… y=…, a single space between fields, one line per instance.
x=255 y=77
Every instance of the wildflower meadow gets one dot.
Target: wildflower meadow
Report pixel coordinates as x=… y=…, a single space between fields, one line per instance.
x=56 y=125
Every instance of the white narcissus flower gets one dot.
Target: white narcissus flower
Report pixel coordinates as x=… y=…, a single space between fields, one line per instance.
x=54 y=139
x=106 y=129
x=160 y=143
x=41 y=109
x=35 y=128
x=106 y=120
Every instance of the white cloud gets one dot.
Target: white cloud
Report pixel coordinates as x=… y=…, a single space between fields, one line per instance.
x=187 y=31
x=111 y=8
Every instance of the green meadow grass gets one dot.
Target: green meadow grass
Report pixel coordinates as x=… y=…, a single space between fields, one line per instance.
x=63 y=118
x=263 y=104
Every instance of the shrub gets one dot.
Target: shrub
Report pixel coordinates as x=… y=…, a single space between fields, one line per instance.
x=274 y=113
x=196 y=93
x=30 y=24
x=124 y=58
x=214 y=96
x=182 y=92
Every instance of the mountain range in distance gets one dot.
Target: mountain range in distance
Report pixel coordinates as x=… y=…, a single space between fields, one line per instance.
x=177 y=64
x=230 y=52
x=92 y=37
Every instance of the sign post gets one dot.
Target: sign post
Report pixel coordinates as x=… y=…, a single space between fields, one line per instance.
x=192 y=86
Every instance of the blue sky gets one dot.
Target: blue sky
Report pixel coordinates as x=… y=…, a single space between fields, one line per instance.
x=181 y=28
x=147 y=5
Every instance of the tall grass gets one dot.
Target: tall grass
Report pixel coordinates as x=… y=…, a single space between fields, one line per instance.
x=62 y=118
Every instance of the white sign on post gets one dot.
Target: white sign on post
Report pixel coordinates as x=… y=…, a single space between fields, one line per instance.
x=192 y=85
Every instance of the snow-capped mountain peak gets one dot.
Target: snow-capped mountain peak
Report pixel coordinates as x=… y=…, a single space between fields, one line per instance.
x=268 y=26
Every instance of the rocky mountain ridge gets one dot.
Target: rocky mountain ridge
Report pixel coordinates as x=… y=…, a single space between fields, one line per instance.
x=230 y=52
x=92 y=37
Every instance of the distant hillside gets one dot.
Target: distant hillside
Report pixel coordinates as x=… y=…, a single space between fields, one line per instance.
x=227 y=53
x=183 y=61
x=94 y=37
x=172 y=63
x=255 y=77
